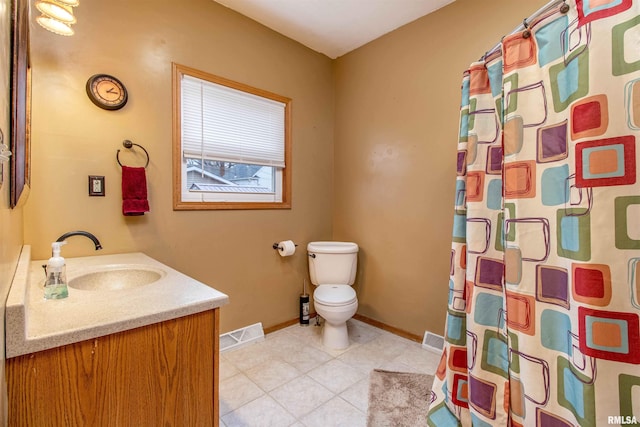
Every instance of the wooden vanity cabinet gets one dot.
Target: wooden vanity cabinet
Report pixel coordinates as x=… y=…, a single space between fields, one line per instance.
x=165 y=374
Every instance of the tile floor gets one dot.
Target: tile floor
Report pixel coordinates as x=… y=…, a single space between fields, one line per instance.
x=289 y=379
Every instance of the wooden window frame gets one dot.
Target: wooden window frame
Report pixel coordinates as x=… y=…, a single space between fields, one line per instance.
x=178 y=204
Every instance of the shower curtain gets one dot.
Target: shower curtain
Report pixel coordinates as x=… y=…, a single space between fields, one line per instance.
x=543 y=321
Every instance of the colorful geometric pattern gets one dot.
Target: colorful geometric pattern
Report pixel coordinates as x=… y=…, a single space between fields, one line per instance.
x=543 y=319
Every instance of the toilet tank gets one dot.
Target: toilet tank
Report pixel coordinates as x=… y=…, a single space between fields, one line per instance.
x=332 y=263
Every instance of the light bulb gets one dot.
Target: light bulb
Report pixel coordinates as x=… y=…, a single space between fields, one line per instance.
x=54 y=25
x=56 y=11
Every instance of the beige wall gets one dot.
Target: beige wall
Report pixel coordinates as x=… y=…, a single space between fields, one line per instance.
x=397 y=103
x=136 y=41
x=10 y=219
x=384 y=177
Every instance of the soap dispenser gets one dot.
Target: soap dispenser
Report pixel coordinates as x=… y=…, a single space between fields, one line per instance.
x=55 y=286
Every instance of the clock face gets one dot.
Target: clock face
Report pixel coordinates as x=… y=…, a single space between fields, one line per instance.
x=106 y=92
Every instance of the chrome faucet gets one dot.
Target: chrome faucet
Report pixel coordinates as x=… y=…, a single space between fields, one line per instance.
x=95 y=240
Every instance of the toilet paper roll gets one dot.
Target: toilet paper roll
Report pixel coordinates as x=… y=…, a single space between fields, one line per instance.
x=286 y=248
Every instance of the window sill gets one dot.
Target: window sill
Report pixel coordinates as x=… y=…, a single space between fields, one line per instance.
x=210 y=206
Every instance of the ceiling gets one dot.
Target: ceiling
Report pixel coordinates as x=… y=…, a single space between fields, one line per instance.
x=334 y=27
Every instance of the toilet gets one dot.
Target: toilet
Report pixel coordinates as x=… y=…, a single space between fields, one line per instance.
x=332 y=269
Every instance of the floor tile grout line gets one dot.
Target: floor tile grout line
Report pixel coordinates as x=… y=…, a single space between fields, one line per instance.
x=310 y=378
x=308 y=337
x=351 y=404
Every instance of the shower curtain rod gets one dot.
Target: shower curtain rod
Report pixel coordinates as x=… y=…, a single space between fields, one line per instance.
x=525 y=23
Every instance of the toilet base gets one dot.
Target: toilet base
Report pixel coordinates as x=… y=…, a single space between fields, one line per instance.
x=335 y=337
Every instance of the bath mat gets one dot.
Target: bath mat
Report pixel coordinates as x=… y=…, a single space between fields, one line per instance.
x=398 y=399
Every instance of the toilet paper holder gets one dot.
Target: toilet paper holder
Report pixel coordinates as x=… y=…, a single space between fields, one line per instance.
x=277 y=246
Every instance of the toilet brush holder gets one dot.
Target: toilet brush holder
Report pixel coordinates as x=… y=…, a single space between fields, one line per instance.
x=304 y=309
x=304 y=305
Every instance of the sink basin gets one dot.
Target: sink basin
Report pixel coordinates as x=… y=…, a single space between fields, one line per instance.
x=117 y=277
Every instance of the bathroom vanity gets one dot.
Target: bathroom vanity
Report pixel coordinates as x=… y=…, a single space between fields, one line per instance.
x=130 y=356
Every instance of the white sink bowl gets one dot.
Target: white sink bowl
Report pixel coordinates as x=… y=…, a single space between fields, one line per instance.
x=116 y=277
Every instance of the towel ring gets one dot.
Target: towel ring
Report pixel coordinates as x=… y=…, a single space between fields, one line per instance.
x=128 y=144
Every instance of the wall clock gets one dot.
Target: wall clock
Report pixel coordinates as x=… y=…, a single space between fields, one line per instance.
x=106 y=92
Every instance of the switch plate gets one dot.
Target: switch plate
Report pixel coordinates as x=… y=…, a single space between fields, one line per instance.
x=96 y=185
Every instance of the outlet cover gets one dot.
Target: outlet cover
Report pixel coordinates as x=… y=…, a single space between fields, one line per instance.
x=96 y=185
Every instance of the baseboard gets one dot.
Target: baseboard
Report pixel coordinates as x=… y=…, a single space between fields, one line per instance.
x=385 y=327
x=365 y=319
x=286 y=324
x=279 y=326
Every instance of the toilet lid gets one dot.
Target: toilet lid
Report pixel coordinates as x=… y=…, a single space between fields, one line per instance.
x=334 y=294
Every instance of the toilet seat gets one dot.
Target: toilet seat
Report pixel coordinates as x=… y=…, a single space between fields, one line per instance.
x=334 y=295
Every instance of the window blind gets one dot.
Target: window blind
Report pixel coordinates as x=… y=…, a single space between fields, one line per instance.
x=225 y=124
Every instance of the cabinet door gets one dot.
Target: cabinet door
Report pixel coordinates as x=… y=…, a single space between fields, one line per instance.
x=162 y=374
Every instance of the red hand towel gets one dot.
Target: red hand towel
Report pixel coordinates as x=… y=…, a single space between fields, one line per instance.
x=134 y=191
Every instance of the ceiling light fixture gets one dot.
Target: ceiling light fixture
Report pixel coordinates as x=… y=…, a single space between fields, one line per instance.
x=56 y=10
x=72 y=3
x=57 y=15
x=54 y=25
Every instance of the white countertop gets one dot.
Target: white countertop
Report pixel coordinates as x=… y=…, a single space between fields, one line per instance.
x=35 y=324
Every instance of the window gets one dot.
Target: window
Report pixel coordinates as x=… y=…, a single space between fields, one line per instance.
x=231 y=144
